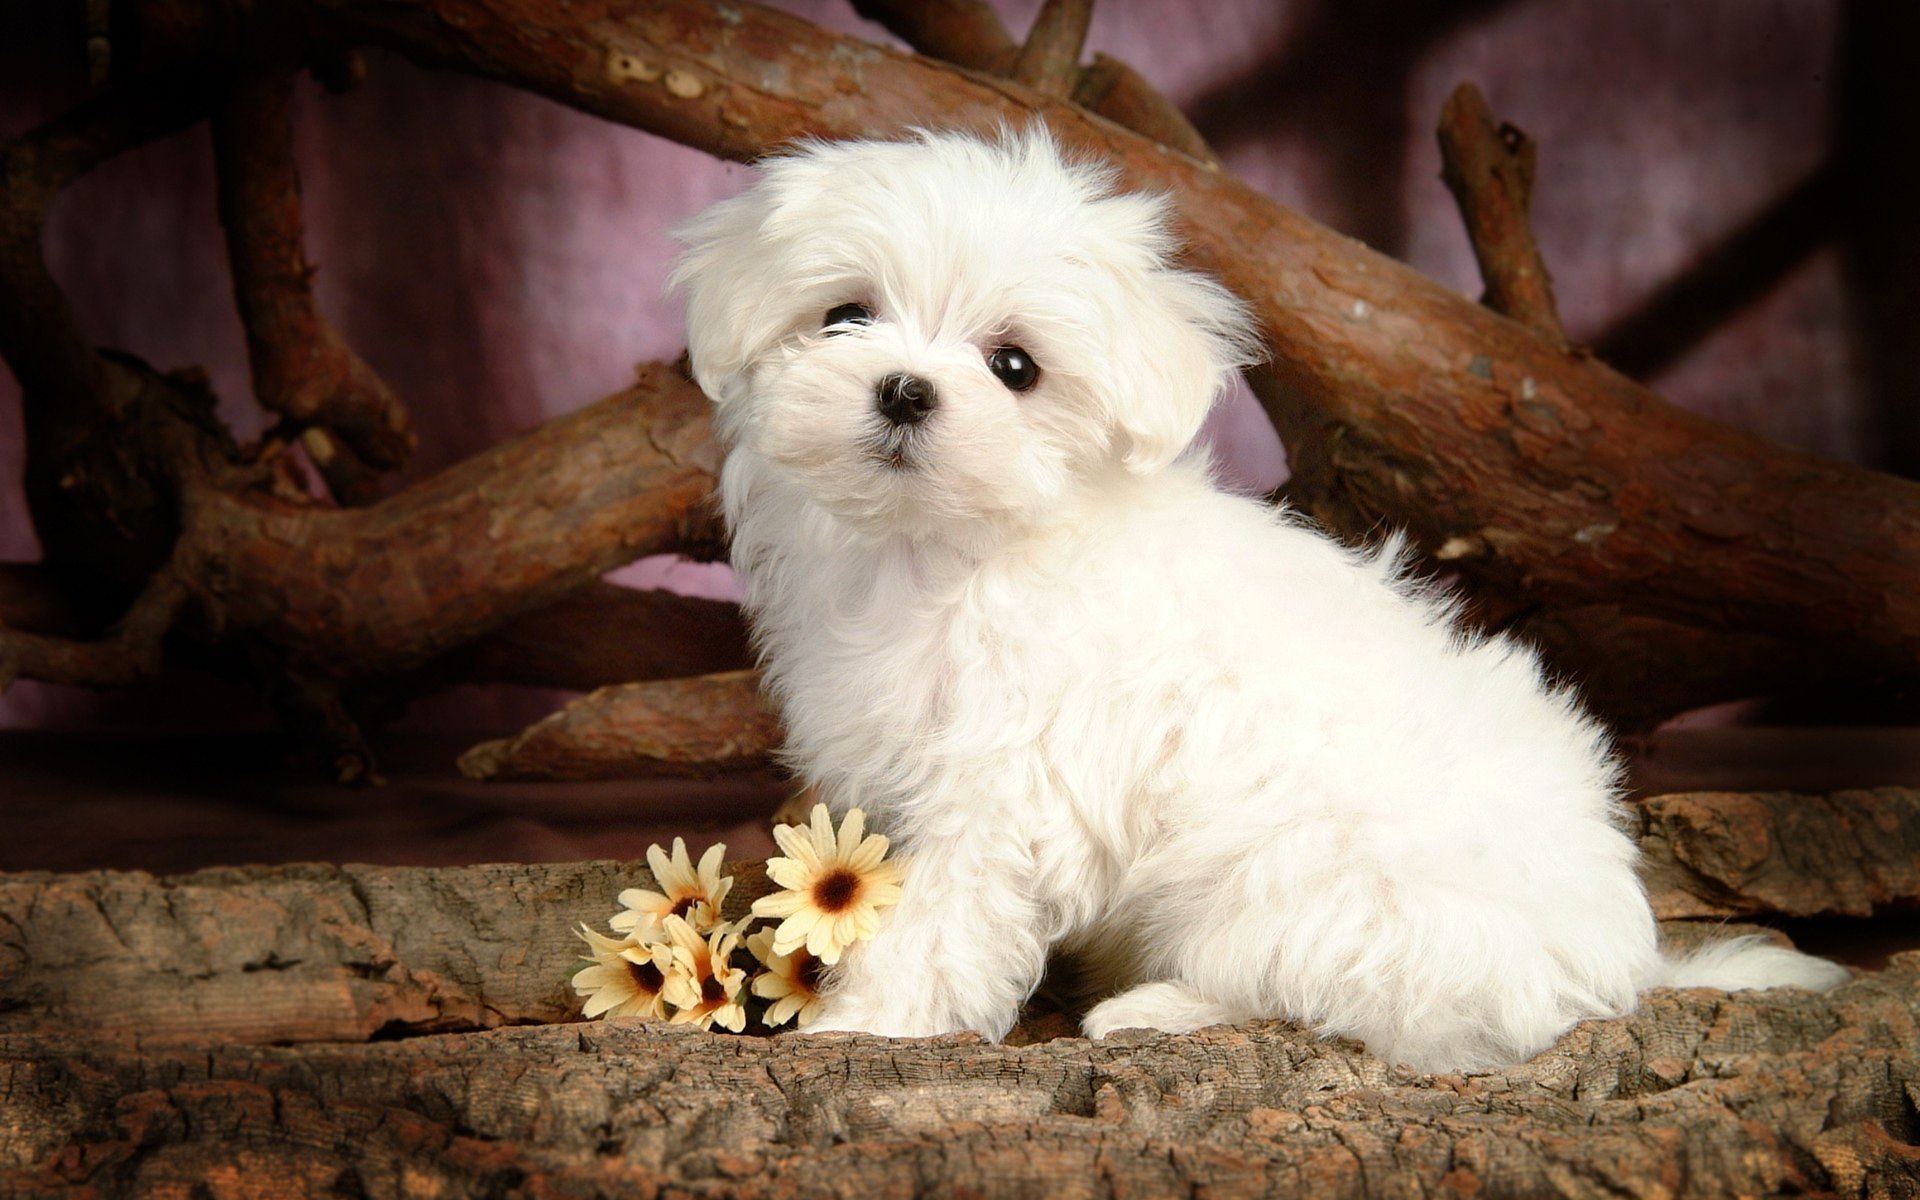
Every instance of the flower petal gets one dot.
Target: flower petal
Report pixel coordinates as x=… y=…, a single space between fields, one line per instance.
x=850 y=831
x=709 y=869
x=781 y=1010
x=797 y=846
x=790 y=873
x=779 y=904
x=821 y=831
x=821 y=941
x=868 y=854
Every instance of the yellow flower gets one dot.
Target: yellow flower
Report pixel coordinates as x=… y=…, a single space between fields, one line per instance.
x=695 y=895
x=703 y=985
x=791 y=981
x=625 y=979
x=835 y=887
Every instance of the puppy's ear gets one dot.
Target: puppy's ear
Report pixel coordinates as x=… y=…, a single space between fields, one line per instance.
x=1186 y=337
x=723 y=272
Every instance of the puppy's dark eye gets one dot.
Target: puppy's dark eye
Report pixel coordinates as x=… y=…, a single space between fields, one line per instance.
x=847 y=314
x=1012 y=366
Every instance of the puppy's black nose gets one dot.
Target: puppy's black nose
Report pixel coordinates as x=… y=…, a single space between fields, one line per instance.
x=905 y=399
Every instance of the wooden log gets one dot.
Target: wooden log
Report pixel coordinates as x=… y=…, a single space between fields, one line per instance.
x=304 y=953
x=338 y=595
x=698 y=727
x=311 y=952
x=1736 y=854
x=1700 y=1095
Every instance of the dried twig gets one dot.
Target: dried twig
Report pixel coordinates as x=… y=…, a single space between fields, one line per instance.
x=1488 y=166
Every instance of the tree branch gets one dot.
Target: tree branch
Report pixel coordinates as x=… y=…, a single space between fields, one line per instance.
x=1397 y=398
x=353 y=593
x=1049 y=61
x=968 y=33
x=302 y=369
x=1488 y=166
x=1122 y=95
x=131 y=650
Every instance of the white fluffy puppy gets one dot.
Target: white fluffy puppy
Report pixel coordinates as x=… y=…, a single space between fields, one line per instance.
x=1235 y=768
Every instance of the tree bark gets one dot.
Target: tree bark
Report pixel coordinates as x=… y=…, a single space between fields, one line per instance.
x=1733 y=854
x=1698 y=1095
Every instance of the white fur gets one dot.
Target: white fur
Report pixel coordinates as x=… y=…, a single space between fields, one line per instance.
x=1233 y=768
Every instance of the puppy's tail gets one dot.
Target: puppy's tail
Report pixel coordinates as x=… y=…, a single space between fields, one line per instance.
x=1741 y=963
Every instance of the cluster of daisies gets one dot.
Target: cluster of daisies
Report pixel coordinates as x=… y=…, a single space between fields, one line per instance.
x=675 y=959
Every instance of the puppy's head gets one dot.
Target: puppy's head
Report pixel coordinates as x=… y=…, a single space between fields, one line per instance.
x=946 y=333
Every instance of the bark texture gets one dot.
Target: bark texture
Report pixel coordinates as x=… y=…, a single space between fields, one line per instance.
x=1735 y=854
x=318 y=1031
x=304 y=953
x=1698 y=1095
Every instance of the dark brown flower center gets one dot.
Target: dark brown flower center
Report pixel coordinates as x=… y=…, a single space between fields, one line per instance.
x=646 y=976
x=711 y=992
x=806 y=973
x=835 y=891
x=685 y=905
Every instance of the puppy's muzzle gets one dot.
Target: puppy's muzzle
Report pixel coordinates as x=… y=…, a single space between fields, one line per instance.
x=905 y=399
